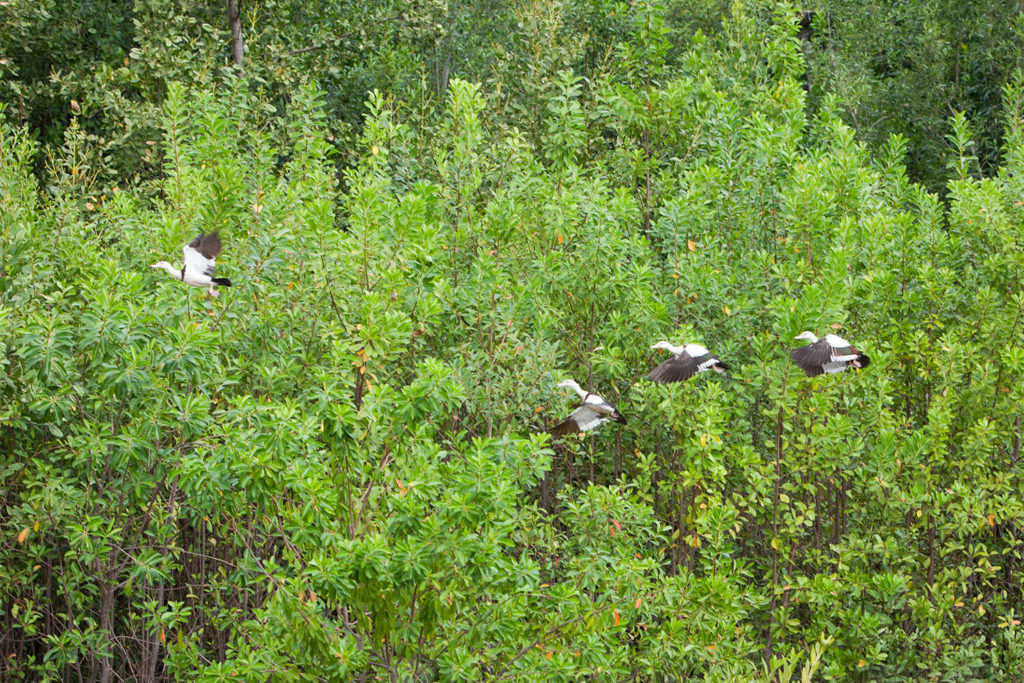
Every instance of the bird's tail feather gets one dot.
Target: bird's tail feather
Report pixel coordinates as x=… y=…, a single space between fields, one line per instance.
x=222 y=281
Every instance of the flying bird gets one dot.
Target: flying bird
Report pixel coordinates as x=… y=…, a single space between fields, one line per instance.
x=592 y=412
x=827 y=355
x=686 y=361
x=199 y=263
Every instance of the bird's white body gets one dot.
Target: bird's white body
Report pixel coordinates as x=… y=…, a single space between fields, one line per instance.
x=593 y=411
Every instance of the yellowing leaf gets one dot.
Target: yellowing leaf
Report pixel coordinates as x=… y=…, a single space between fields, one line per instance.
x=615 y=613
x=861 y=664
x=23 y=535
x=163 y=638
x=639 y=601
x=703 y=440
x=690 y=245
x=559 y=239
x=991 y=520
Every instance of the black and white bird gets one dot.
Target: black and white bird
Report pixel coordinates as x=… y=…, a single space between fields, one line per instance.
x=686 y=361
x=827 y=355
x=199 y=263
x=593 y=411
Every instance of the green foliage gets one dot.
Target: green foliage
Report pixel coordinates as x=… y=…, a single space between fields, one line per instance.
x=904 y=68
x=336 y=470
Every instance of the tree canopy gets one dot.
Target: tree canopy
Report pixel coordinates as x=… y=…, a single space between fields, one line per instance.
x=431 y=213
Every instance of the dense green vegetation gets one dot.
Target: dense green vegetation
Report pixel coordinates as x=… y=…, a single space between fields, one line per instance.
x=432 y=213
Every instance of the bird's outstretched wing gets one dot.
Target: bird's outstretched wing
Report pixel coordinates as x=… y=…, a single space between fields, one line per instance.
x=675 y=369
x=207 y=245
x=813 y=357
x=582 y=419
x=201 y=252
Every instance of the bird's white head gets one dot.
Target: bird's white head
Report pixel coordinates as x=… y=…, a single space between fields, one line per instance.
x=571 y=384
x=809 y=336
x=161 y=264
x=669 y=346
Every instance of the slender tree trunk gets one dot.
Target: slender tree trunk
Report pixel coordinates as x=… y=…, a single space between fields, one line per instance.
x=775 y=526
x=357 y=397
x=154 y=646
x=1016 y=442
x=768 y=648
x=235 y=22
x=107 y=627
x=817 y=513
x=931 y=555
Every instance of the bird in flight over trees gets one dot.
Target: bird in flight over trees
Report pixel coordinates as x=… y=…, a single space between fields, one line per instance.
x=686 y=361
x=199 y=263
x=591 y=413
x=827 y=355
